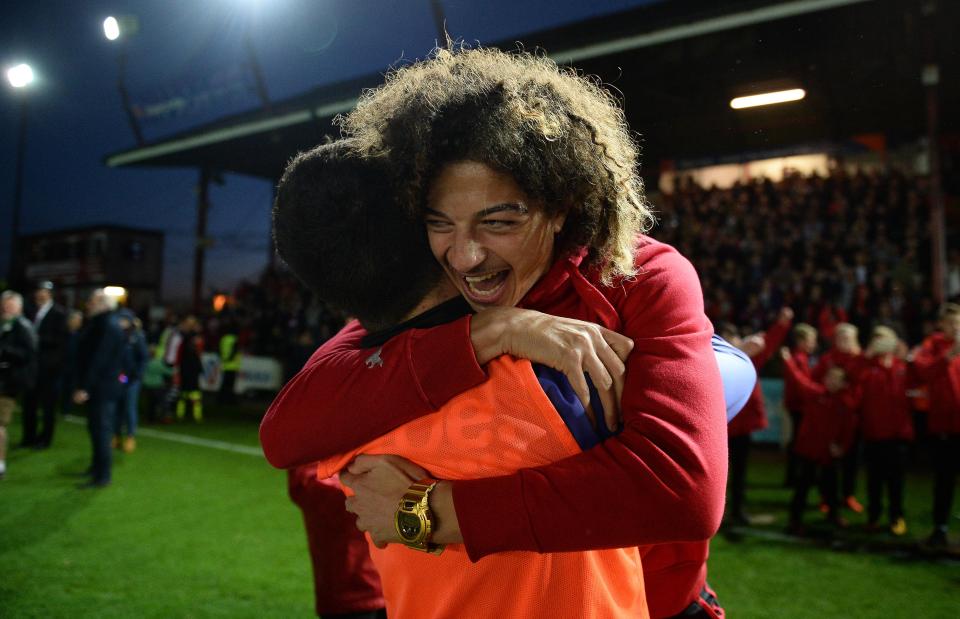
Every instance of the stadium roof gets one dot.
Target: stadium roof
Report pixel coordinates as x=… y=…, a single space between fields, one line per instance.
x=676 y=66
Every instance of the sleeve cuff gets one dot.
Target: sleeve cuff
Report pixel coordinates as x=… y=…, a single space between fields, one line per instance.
x=443 y=361
x=492 y=516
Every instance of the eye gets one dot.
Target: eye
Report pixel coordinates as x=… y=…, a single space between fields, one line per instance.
x=499 y=224
x=437 y=225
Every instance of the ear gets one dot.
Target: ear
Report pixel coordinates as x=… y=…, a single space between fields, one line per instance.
x=558 y=222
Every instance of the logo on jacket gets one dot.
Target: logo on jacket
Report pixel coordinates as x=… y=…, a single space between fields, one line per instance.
x=375 y=360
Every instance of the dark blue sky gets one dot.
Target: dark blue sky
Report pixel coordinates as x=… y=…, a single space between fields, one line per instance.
x=192 y=47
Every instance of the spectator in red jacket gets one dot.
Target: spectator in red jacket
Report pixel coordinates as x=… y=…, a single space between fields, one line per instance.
x=937 y=364
x=804 y=345
x=845 y=354
x=826 y=433
x=886 y=426
x=753 y=417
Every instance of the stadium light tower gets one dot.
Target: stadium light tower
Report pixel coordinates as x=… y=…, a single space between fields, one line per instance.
x=20 y=77
x=120 y=29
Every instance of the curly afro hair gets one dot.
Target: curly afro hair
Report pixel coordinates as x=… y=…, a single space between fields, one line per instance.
x=561 y=136
x=338 y=227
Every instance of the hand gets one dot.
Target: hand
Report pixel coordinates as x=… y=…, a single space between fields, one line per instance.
x=80 y=396
x=785 y=315
x=835 y=451
x=378 y=483
x=785 y=353
x=573 y=347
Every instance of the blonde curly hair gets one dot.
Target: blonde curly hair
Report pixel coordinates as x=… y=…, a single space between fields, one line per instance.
x=560 y=135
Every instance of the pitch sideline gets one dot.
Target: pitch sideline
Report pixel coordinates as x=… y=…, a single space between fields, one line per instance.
x=186 y=439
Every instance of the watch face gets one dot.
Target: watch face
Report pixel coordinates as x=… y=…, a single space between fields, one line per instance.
x=409 y=526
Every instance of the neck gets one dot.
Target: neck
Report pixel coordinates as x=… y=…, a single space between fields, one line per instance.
x=442 y=292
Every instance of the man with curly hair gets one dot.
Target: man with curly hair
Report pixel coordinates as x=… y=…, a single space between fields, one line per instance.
x=339 y=230
x=493 y=144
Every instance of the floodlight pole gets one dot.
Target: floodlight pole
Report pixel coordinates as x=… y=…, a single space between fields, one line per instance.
x=440 y=21
x=931 y=81
x=259 y=81
x=14 y=266
x=200 y=247
x=125 y=95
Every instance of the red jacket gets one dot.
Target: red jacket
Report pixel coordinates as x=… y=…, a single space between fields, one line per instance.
x=344 y=577
x=835 y=358
x=942 y=376
x=753 y=417
x=791 y=398
x=666 y=470
x=884 y=408
x=828 y=418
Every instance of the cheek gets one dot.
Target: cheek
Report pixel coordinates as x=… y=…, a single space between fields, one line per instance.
x=438 y=244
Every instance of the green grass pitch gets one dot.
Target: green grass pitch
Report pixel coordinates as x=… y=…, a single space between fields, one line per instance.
x=190 y=531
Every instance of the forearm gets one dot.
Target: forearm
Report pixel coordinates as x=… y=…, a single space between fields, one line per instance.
x=666 y=471
x=346 y=396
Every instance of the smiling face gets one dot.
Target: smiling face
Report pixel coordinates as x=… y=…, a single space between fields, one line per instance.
x=492 y=239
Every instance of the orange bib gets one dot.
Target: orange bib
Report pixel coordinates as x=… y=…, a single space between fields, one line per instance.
x=503 y=425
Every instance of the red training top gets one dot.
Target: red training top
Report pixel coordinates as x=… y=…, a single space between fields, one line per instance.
x=753 y=417
x=884 y=408
x=344 y=577
x=791 y=399
x=828 y=418
x=942 y=376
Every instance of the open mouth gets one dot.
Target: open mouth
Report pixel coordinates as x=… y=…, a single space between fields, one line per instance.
x=486 y=288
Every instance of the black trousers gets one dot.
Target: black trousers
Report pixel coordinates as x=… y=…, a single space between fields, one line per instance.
x=945 y=451
x=849 y=466
x=739 y=449
x=43 y=398
x=226 y=395
x=796 y=417
x=101 y=412
x=808 y=473
x=886 y=469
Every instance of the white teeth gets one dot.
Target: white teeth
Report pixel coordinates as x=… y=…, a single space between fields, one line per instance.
x=480 y=278
x=476 y=292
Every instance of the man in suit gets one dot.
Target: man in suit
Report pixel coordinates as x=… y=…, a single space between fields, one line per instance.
x=99 y=365
x=50 y=325
x=18 y=359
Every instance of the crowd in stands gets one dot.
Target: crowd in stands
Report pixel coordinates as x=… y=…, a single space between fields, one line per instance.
x=846 y=247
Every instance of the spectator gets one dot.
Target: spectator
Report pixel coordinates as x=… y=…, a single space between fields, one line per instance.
x=753 y=417
x=937 y=364
x=229 y=362
x=50 y=325
x=74 y=325
x=135 y=355
x=190 y=370
x=826 y=432
x=845 y=354
x=100 y=361
x=887 y=427
x=18 y=363
x=804 y=345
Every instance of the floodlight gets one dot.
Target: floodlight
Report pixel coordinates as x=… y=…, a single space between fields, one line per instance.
x=111 y=28
x=115 y=291
x=20 y=75
x=768 y=98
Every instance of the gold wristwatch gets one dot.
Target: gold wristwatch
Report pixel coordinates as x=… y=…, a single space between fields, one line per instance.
x=414 y=521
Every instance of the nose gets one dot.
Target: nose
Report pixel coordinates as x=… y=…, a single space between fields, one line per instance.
x=465 y=253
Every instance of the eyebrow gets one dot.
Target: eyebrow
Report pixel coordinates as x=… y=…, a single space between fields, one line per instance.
x=514 y=207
